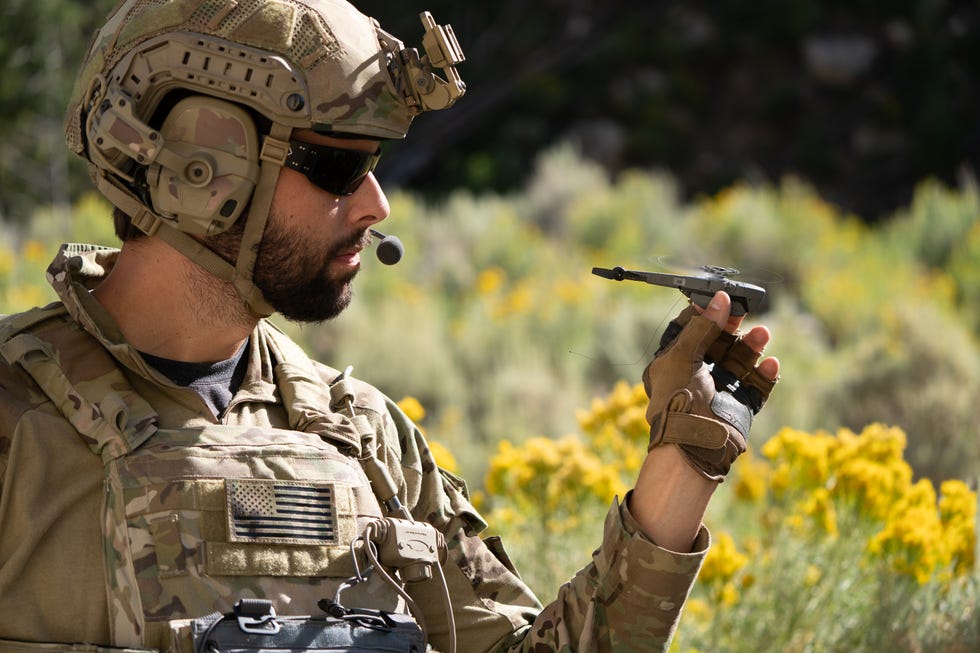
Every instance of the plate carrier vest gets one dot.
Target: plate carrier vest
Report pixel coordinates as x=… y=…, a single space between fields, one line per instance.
x=197 y=518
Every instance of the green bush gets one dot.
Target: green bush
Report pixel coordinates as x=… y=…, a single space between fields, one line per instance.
x=494 y=322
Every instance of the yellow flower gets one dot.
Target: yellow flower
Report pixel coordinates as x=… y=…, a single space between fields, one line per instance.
x=958 y=514
x=820 y=509
x=753 y=546
x=408 y=292
x=552 y=477
x=812 y=575
x=518 y=301
x=617 y=429
x=870 y=469
x=802 y=460
x=751 y=477
x=23 y=296
x=569 y=292
x=912 y=539
x=796 y=523
x=729 y=594
x=34 y=251
x=865 y=470
x=8 y=259
x=698 y=609
x=723 y=561
x=632 y=422
x=479 y=500
x=490 y=280
x=507 y=517
x=443 y=457
x=412 y=408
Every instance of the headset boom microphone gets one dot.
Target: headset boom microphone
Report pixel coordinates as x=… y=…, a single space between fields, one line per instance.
x=390 y=249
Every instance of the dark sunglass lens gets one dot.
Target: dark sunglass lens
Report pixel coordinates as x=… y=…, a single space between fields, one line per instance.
x=336 y=170
x=342 y=171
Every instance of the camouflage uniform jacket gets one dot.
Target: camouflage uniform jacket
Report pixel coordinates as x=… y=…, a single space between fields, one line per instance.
x=53 y=490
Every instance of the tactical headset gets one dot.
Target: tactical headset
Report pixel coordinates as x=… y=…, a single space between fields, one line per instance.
x=208 y=166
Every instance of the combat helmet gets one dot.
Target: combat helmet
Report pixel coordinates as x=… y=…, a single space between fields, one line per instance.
x=183 y=108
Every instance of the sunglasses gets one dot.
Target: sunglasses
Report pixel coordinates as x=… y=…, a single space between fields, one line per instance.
x=334 y=169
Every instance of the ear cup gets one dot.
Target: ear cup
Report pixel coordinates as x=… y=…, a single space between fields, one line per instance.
x=207 y=168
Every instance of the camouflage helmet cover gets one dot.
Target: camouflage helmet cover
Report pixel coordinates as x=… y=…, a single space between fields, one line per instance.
x=300 y=63
x=317 y=64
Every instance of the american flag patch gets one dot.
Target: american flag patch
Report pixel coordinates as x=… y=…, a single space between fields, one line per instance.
x=291 y=512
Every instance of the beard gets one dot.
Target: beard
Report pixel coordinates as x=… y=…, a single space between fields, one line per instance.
x=294 y=278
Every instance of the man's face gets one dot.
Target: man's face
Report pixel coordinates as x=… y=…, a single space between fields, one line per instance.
x=310 y=251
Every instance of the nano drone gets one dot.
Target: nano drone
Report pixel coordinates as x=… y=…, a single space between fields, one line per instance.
x=700 y=288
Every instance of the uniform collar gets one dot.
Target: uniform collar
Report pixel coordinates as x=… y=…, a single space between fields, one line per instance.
x=78 y=268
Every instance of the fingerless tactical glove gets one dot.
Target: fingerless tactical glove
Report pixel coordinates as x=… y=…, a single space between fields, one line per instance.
x=704 y=389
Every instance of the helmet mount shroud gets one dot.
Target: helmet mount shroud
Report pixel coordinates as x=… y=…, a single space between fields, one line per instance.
x=314 y=64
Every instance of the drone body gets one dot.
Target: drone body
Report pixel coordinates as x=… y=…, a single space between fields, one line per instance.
x=700 y=289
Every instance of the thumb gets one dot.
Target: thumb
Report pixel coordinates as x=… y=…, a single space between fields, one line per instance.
x=719 y=308
x=689 y=347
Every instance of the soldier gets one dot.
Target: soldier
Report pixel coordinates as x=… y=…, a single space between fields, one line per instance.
x=167 y=456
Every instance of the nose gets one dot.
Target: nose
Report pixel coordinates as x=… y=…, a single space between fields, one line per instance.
x=371 y=203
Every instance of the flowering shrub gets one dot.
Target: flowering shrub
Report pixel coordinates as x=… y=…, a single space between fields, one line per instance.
x=807 y=517
x=493 y=307
x=864 y=477
x=415 y=411
x=842 y=548
x=551 y=480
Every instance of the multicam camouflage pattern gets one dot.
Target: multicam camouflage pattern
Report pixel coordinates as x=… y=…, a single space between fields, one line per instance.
x=170 y=552
x=171 y=525
x=301 y=63
x=168 y=503
x=318 y=64
x=208 y=194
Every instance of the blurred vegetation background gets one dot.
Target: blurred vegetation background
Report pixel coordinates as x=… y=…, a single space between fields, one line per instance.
x=826 y=149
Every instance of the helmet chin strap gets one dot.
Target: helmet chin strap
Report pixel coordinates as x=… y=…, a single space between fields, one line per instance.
x=275 y=148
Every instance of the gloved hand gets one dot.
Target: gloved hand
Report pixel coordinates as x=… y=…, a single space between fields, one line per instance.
x=705 y=410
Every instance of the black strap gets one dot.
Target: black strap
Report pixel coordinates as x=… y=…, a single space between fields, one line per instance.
x=253 y=627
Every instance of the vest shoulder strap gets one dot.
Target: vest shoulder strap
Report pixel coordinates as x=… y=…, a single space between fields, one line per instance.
x=11 y=325
x=88 y=387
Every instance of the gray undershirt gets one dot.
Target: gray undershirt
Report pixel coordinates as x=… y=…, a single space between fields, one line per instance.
x=216 y=383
